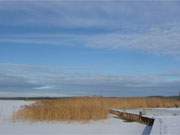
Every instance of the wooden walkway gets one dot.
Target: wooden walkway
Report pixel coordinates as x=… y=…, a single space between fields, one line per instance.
x=133 y=117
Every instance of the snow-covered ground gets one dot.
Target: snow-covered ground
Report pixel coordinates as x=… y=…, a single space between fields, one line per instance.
x=166 y=123
x=8 y=107
x=167 y=120
x=111 y=126
x=154 y=112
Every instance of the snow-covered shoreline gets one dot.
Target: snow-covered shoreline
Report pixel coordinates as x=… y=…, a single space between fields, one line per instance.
x=8 y=107
x=110 y=126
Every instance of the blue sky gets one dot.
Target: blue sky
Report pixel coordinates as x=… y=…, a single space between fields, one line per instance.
x=109 y=48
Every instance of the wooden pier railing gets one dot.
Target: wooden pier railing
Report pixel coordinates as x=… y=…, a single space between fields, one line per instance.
x=133 y=117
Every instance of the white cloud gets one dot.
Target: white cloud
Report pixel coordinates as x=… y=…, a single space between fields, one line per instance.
x=157 y=40
x=33 y=80
x=44 y=77
x=146 y=26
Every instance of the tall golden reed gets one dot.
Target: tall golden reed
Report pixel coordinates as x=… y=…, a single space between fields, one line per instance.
x=86 y=108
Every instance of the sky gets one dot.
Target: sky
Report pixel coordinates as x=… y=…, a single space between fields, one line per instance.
x=89 y=47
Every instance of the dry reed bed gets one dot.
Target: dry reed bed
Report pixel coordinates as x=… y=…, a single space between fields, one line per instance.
x=86 y=108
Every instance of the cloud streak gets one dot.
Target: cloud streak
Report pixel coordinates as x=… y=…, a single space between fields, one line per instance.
x=146 y=26
x=43 y=78
x=158 y=40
